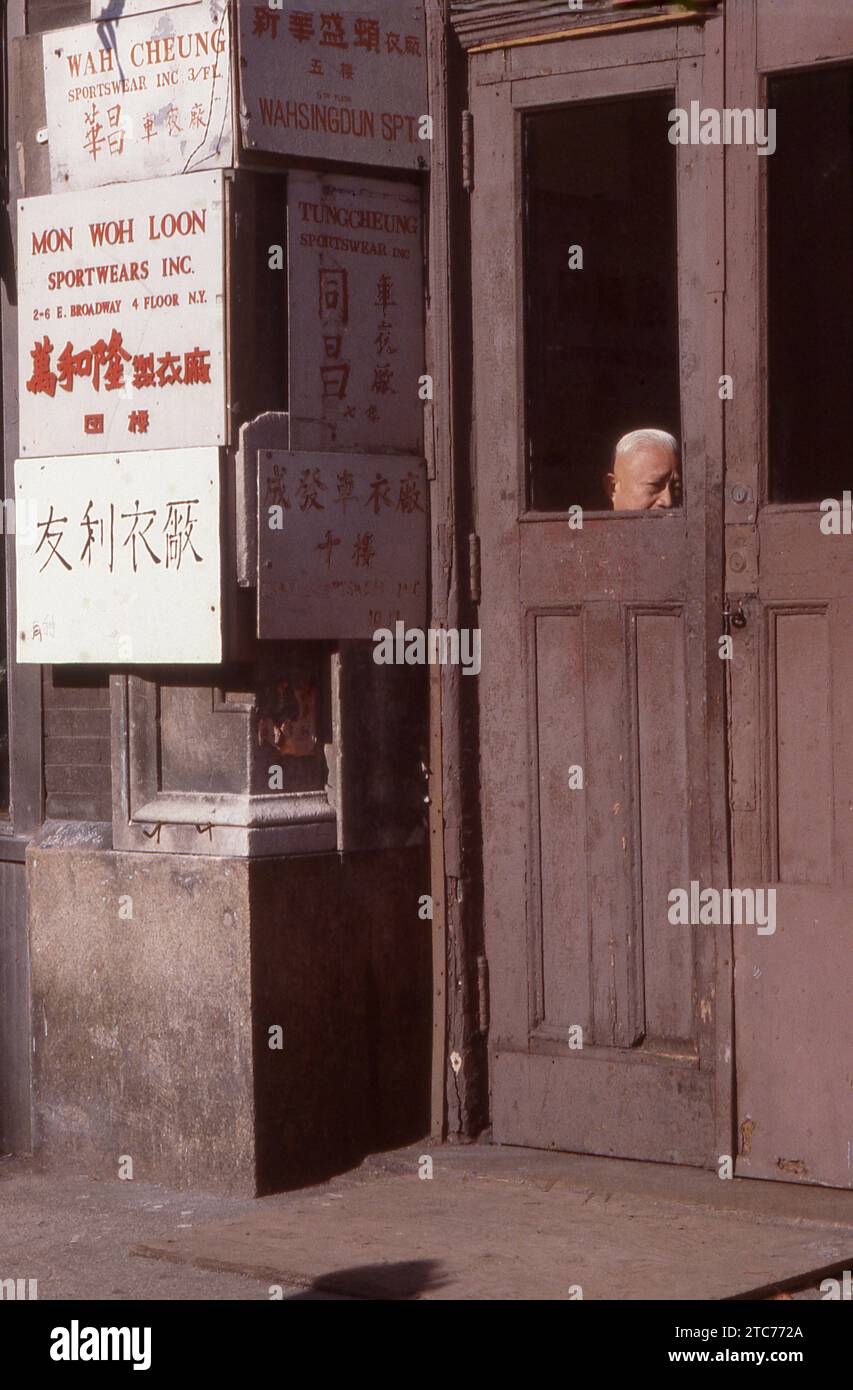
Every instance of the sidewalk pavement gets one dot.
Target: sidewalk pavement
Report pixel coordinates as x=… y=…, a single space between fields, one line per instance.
x=490 y=1223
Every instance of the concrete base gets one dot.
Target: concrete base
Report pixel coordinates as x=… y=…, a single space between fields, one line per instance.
x=152 y=1030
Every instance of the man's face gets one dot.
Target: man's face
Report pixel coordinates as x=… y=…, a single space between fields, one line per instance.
x=646 y=479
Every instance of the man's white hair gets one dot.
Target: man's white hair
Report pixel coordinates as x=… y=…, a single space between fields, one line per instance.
x=639 y=438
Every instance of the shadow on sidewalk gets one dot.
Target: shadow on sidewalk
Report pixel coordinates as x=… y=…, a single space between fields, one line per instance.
x=403 y=1280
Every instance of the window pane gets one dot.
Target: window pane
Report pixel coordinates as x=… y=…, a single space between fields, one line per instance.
x=810 y=286
x=601 y=342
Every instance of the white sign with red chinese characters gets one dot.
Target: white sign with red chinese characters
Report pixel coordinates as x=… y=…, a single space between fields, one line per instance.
x=342 y=81
x=140 y=97
x=356 y=313
x=121 y=329
x=342 y=544
x=120 y=560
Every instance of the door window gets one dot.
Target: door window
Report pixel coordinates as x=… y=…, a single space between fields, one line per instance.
x=601 y=304
x=810 y=285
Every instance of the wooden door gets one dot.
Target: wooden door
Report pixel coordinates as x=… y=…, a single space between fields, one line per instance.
x=609 y=1024
x=789 y=350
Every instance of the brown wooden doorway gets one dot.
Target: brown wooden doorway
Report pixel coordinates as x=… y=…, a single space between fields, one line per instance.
x=602 y=692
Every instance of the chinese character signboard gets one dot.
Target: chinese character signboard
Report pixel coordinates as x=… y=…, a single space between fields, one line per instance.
x=341 y=81
x=356 y=313
x=121 y=342
x=120 y=559
x=140 y=98
x=342 y=544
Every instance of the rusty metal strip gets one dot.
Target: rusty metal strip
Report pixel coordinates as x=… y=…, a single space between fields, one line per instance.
x=586 y=31
x=437 y=331
x=438 y=893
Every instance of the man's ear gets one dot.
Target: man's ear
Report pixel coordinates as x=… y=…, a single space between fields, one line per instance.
x=610 y=485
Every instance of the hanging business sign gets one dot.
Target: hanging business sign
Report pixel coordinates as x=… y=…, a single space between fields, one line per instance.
x=119 y=560
x=344 y=81
x=140 y=97
x=122 y=318
x=342 y=544
x=356 y=313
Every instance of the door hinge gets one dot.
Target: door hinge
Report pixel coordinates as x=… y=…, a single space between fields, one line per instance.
x=468 y=151
x=483 y=994
x=429 y=439
x=474 y=567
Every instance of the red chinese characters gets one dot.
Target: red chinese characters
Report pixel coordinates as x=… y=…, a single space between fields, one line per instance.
x=330 y=29
x=99 y=138
x=103 y=365
x=339 y=545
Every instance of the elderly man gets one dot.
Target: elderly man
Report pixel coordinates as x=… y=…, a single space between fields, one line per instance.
x=646 y=472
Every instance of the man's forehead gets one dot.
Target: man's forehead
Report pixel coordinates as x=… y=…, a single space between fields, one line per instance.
x=648 y=458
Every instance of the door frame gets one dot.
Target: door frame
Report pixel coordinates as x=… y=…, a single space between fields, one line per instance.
x=761 y=41
x=519 y=47
x=23 y=682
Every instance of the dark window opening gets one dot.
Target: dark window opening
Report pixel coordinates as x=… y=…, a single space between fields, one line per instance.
x=601 y=342
x=810 y=286
x=259 y=333
x=43 y=15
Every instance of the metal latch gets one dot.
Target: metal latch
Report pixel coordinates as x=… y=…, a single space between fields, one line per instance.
x=733 y=613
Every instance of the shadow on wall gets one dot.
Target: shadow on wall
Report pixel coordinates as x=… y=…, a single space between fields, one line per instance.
x=342 y=963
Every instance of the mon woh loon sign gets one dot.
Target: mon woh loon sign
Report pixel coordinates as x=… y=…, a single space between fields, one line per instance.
x=344 y=81
x=120 y=560
x=141 y=96
x=121 y=333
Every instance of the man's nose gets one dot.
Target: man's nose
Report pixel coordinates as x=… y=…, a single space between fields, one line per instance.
x=664 y=499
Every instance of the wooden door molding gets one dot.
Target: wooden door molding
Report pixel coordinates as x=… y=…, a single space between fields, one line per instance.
x=791 y=727
x=520 y=23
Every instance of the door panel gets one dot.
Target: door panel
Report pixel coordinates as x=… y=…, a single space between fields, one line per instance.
x=787 y=437
x=600 y=654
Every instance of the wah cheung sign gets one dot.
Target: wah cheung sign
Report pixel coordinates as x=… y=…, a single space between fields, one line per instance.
x=139 y=95
x=122 y=318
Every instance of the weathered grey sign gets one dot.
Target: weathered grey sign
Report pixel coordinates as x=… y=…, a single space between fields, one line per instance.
x=139 y=98
x=123 y=562
x=342 y=543
x=344 y=81
x=122 y=323
x=356 y=313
